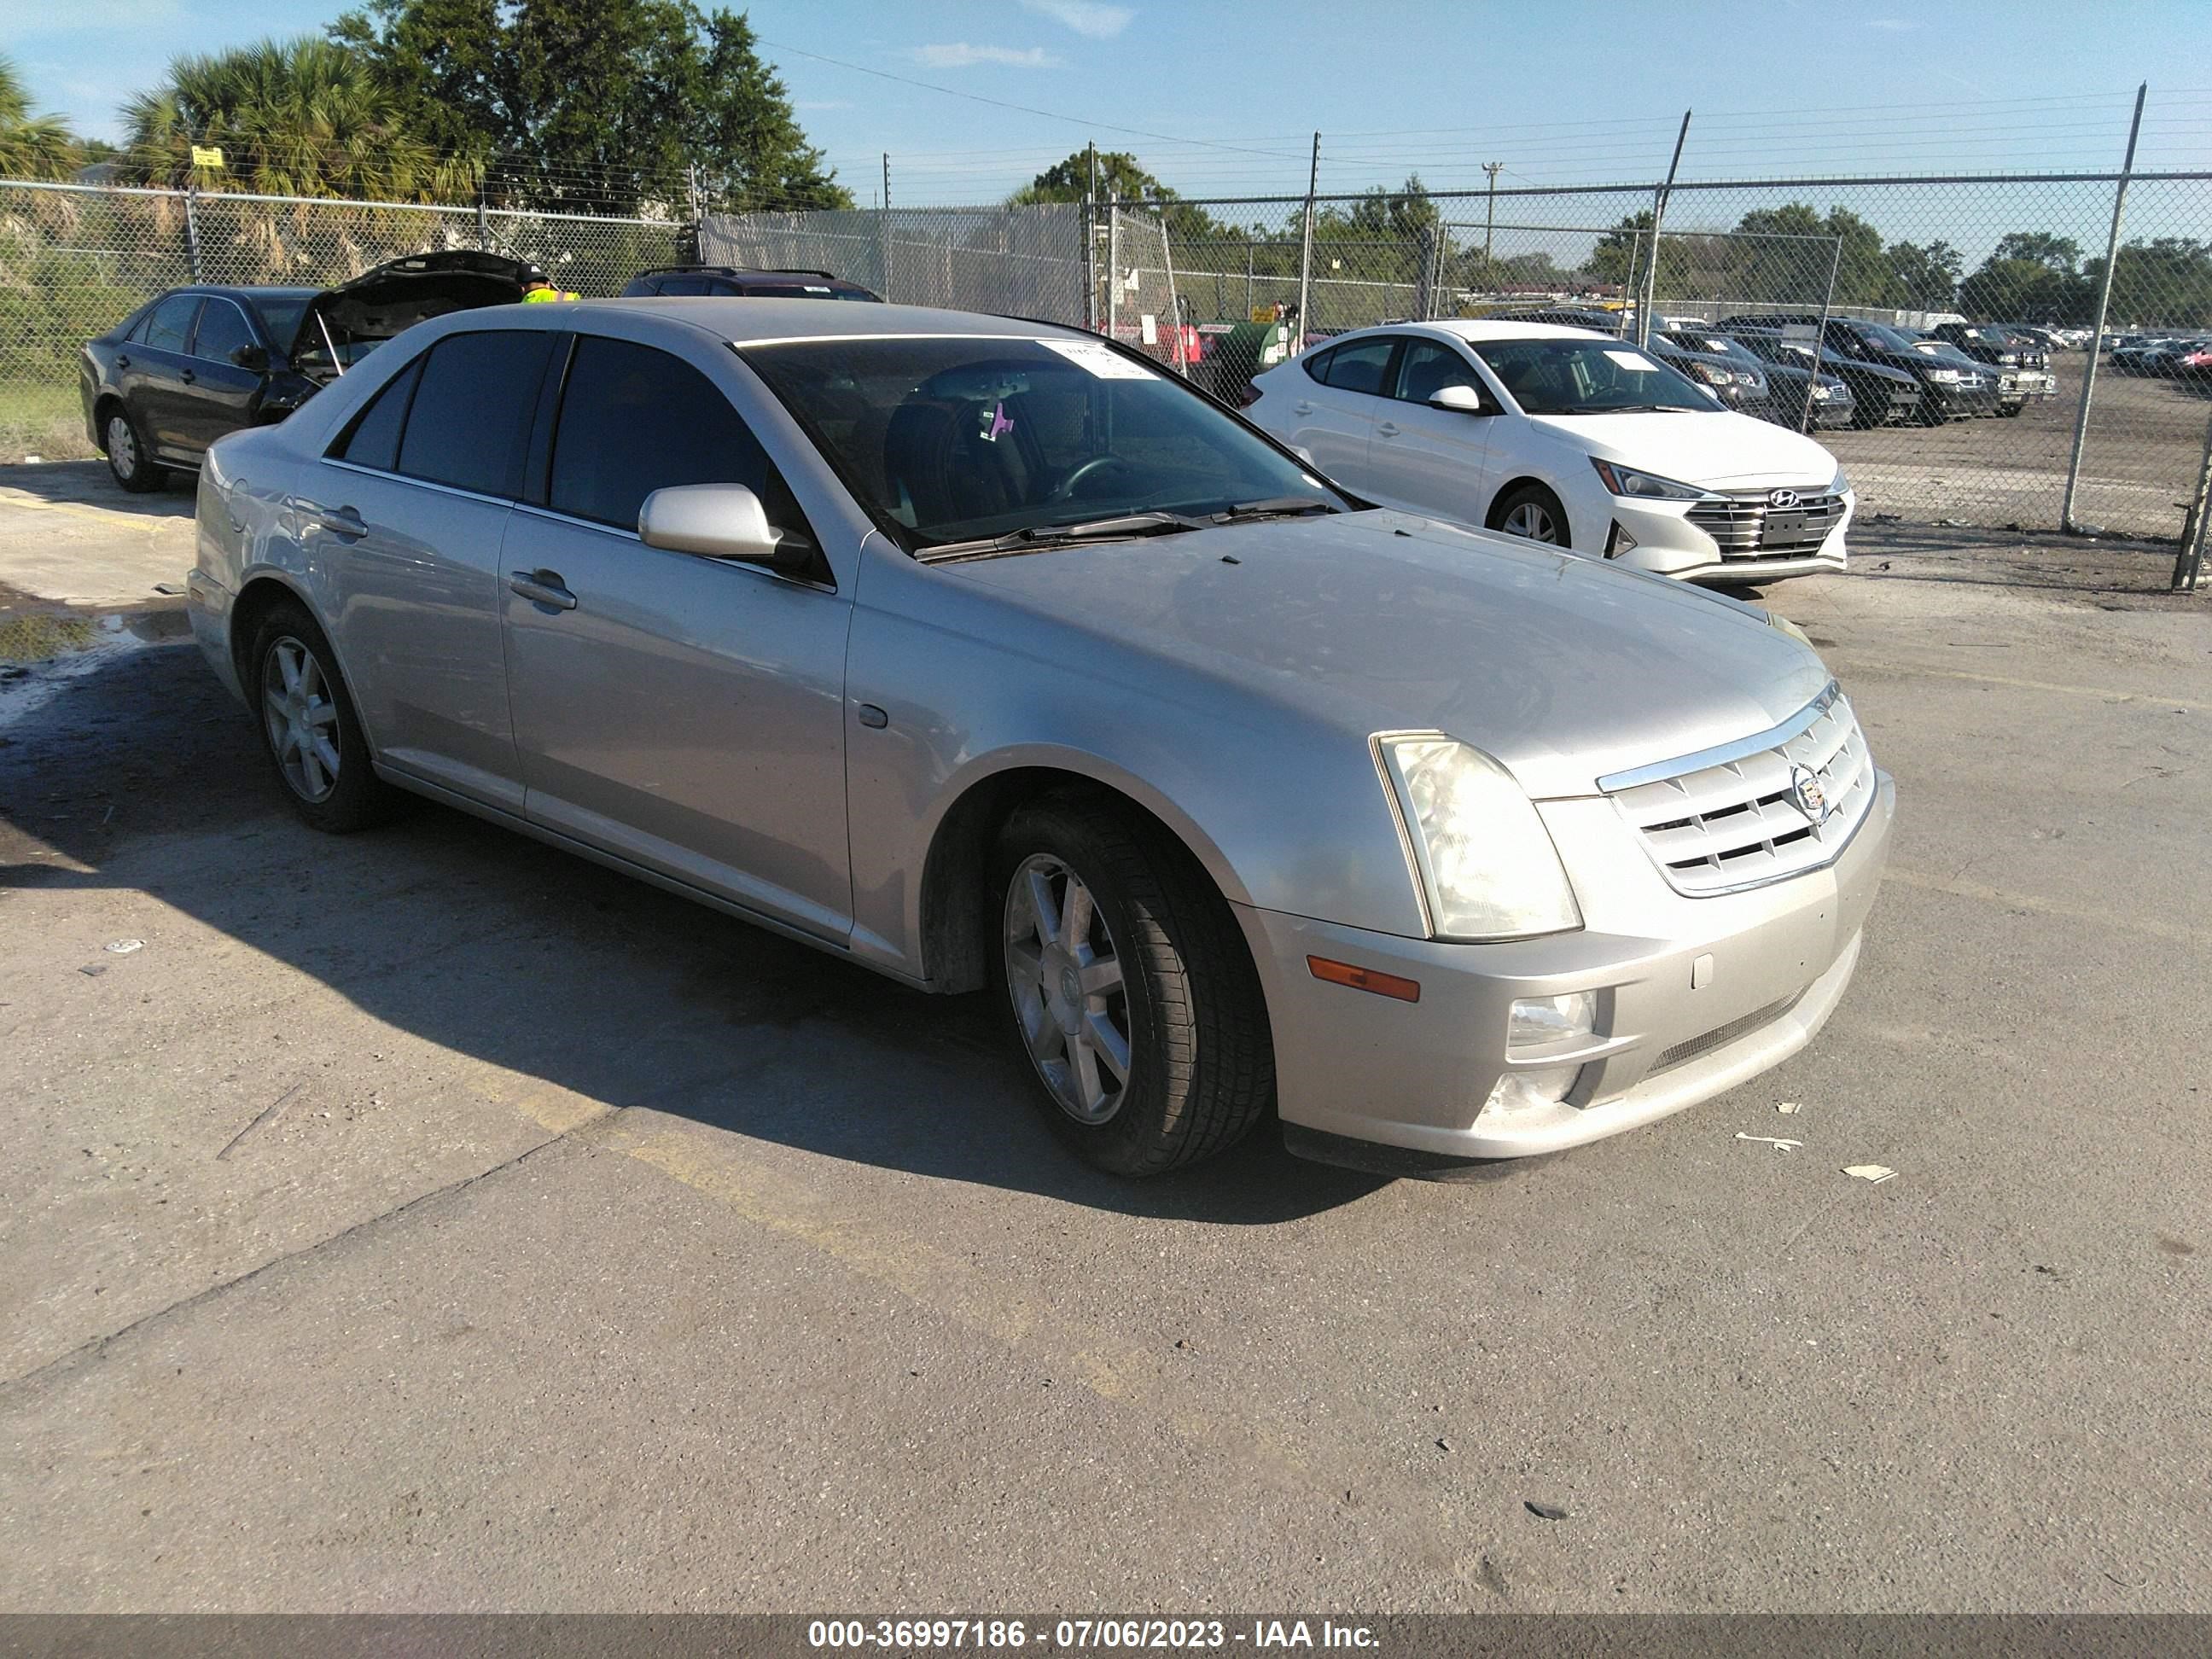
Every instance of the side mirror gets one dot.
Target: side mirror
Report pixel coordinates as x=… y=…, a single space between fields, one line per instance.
x=720 y=521
x=252 y=358
x=1463 y=398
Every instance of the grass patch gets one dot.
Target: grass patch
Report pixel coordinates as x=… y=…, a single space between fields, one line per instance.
x=43 y=420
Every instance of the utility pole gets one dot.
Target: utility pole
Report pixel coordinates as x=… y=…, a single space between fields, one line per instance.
x=1090 y=242
x=1490 y=214
x=884 y=234
x=1305 y=249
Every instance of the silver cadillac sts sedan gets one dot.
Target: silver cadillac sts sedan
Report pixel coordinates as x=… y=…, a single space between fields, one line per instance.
x=982 y=652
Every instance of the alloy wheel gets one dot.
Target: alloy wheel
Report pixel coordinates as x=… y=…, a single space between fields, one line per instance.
x=1069 y=994
x=1529 y=519
x=301 y=718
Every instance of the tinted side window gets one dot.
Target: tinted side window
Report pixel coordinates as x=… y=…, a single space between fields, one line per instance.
x=634 y=420
x=171 y=323
x=681 y=285
x=1359 y=367
x=1427 y=368
x=1316 y=364
x=223 y=329
x=374 y=439
x=470 y=416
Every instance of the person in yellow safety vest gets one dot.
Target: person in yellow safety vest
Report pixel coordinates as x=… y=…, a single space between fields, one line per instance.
x=539 y=291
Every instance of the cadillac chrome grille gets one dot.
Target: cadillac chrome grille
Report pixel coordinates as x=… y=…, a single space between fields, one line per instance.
x=1747 y=526
x=1748 y=814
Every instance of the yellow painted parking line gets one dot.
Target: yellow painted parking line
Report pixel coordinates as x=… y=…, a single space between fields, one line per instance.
x=2044 y=907
x=2101 y=693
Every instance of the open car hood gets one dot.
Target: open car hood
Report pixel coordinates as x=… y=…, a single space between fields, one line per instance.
x=356 y=315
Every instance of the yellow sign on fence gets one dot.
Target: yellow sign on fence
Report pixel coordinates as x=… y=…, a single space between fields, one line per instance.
x=207 y=155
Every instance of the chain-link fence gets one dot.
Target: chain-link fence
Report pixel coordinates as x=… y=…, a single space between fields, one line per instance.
x=1886 y=288
x=76 y=259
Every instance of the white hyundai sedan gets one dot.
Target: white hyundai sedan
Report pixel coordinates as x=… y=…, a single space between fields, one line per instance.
x=1565 y=436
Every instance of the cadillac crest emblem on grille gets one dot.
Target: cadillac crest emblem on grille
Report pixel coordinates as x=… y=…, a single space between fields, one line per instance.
x=1782 y=498
x=1812 y=800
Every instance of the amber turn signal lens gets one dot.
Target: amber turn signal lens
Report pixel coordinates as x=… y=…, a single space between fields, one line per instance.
x=1364 y=979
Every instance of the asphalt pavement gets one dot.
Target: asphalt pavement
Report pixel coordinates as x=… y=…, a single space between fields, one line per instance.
x=428 y=1220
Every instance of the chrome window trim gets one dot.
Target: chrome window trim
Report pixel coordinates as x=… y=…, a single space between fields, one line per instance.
x=420 y=483
x=1722 y=754
x=773 y=575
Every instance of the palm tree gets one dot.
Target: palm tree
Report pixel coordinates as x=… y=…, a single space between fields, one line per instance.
x=30 y=146
x=292 y=118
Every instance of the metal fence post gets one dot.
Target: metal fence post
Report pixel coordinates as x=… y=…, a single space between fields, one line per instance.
x=1658 y=213
x=1820 y=340
x=1112 y=268
x=192 y=232
x=1091 y=243
x=2189 y=563
x=2096 y=332
x=884 y=235
x=1306 y=247
x=484 y=222
x=1175 y=306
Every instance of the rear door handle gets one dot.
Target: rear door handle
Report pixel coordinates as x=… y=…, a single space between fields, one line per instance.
x=188 y=377
x=541 y=587
x=123 y=362
x=1388 y=429
x=339 y=521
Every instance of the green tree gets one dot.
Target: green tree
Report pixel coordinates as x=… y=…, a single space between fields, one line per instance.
x=1929 y=276
x=1121 y=178
x=2011 y=289
x=292 y=118
x=30 y=146
x=596 y=103
x=2060 y=254
x=2166 y=283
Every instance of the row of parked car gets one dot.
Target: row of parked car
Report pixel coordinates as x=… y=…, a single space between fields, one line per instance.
x=2164 y=356
x=196 y=362
x=1867 y=374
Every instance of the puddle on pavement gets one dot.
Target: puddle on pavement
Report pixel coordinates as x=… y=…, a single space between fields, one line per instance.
x=41 y=651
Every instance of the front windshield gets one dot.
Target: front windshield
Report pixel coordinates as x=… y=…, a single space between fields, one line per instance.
x=949 y=441
x=1717 y=345
x=1586 y=377
x=1888 y=339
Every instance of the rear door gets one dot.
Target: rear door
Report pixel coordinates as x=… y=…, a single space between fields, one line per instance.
x=407 y=511
x=1333 y=415
x=684 y=713
x=1431 y=460
x=154 y=366
x=219 y=395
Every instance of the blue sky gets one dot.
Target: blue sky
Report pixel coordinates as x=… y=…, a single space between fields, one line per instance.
x=1565 y=92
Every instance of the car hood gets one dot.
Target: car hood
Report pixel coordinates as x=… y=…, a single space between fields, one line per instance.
x=396 y=295
x=1696 y=447
x=1563 y=668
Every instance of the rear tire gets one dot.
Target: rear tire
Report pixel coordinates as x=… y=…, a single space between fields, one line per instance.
x=1127 y=981
x=308 y=726
x=1532 y=512
x=129 y=457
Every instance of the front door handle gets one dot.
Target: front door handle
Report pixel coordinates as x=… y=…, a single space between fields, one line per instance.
x=188 y=377
x=339 y=521
x=123 y=362
x=1388 y=429
x=1301 y=409
x=541 y=587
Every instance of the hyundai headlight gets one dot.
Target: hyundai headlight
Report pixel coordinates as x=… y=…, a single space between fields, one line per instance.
x=1943 y=375
x=1839 y=483
x=1486 y=865
x=1626 y=481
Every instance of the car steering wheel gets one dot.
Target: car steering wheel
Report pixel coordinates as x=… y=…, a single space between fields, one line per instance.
x=1065 y=489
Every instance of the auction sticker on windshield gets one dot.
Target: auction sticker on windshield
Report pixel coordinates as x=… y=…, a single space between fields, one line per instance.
x=1101 y=360
x=1631 y=361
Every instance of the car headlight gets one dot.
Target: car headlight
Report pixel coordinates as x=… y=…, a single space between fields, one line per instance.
x=1486 y=865
x=2008 y=357
x=1644 y=486
x=1943 y=375
x=1839 y=483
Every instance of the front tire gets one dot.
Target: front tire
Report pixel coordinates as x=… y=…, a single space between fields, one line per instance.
x=308 y=726
x=1127 y=984
x=1532 y=512
x=129 y=457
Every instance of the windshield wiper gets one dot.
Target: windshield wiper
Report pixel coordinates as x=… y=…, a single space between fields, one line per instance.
x=1275 y=506
x=1624 y=409
x=1126 y=526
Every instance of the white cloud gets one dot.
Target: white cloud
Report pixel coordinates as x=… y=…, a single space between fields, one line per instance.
x=961 y=55
x=1086 y=17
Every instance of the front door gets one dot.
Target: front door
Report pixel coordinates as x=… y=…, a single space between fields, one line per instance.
x=1432 y=460
x=681 y=712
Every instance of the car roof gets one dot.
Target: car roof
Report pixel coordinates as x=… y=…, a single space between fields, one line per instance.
x=242 y=290
x=1472 y=329
x=743 y=320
